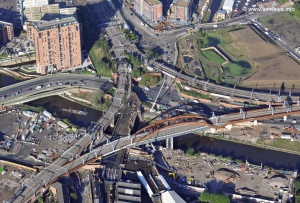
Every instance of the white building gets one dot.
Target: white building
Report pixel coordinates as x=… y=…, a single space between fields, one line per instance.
x=48 y=114
x=28 y=113
x=228 y=5
x=32 y=3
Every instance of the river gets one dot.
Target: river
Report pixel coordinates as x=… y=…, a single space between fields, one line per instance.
x=55 y=104
x=254 y=155
x=6 y=80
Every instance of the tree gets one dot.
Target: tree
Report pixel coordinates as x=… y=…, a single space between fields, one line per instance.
x=40 y=199
x=73 y=195
x=190 y=151
x=204 y=197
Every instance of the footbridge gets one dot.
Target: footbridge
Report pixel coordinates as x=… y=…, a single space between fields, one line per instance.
x=160 y=130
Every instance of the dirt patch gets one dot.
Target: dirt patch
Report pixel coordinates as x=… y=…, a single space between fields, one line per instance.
x=271 y=64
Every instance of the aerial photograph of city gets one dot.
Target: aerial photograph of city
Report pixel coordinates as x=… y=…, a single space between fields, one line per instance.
x=150 y=101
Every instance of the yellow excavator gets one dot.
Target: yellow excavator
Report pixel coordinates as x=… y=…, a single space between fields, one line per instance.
x=172 y=173
x=192 y=180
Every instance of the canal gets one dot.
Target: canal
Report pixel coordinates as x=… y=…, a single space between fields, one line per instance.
x=56 y=104
x=214 y=7
x=6 y=80
x=254 y=155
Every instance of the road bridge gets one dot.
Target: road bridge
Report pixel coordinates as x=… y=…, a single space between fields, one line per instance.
x=50 y=85
x=35 y=185
x=161 y=130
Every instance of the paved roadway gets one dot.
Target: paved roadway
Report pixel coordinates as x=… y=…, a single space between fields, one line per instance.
x=54 y=171
x=263 y=95
x=46 y=175
x=27 y=88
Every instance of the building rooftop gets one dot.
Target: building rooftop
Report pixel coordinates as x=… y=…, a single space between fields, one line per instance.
x=152 y=2
x=54 y=23
x=62 y=192
x=171 y=197
x=30 y=3
x=222 y=12
x=182 y=3
x=228 y=4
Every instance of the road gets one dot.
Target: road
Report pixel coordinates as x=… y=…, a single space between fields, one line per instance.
x=51 y=83
x=54 y=171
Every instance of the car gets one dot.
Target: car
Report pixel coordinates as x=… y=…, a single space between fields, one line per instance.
x=73 y=83
x=82 y=83
x=67 y=83
x=60 y=83
x=49 y=85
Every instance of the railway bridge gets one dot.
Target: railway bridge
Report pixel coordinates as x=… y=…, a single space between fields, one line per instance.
x=161 y=130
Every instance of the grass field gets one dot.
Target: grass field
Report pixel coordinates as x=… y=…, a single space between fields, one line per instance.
x=234 y=69
x=285 y=25
x=284 y=144
x=213 y=56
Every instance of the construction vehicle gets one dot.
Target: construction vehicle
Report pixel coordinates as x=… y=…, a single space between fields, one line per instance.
x=191 y=180
x=230 y=179
x=172 y=173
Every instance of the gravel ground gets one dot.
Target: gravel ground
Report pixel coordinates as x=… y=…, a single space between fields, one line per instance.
x=201 y=168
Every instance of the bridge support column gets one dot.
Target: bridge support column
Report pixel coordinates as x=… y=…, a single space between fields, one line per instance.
x=112 y=123
x=213 y=130
x=169 y=143
x=284 y=118
x=255 y=122
x=228 y=127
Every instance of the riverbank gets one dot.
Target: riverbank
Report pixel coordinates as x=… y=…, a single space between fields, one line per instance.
x=235 y=140
x=14 y=74
x=239 y=150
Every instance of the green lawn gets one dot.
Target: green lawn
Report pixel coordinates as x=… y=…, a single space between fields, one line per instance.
x=150 y=80
x=213 y=56
x=4 y=55
x=286 y=144
x=234 y=69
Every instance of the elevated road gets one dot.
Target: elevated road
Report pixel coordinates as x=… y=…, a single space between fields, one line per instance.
x=255 y=94
x=48 y=174
x=28 y=90
x=170 y=127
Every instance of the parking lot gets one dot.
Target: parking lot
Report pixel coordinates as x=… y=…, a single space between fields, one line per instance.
x=33 y=143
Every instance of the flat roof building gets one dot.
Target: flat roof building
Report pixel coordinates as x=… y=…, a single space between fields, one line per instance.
x=181 y=10
x=6 y=32
x=48 y=12
x=57 y=44
x=228 y=5
x=149 y=9
x=32 y=3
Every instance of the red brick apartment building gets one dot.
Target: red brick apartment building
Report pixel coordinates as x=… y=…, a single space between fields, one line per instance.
x=6 y=32
x=57 y=44
x=150 y=9
x=181 y=10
